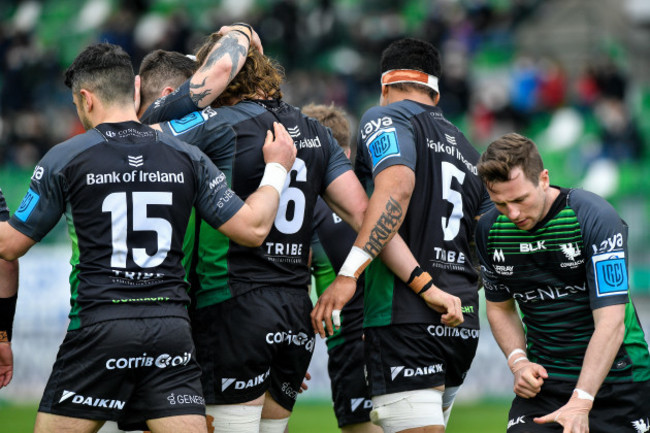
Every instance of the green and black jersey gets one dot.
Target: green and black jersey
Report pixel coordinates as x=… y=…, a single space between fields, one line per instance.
x=331 y=243
x=441 y=217
x=126 y=191
x=233 y=137
x=570 y=263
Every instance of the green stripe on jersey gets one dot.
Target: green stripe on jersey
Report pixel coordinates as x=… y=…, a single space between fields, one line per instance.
x=75 y=322
x=212 y=267
x=378 y=295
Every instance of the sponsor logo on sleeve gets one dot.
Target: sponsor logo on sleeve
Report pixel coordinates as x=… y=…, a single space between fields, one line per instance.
x=27 y=205
x=610 y=274
x=383 y=145
x=191 y=121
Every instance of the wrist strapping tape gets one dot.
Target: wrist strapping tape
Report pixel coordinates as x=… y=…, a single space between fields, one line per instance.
x=419 y=281
x=275 y=175
x=516 y=351
x=355 y=263
x=583 y=395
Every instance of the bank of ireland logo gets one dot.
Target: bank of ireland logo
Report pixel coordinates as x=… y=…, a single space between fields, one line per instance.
x=294 y=132
x=610 y=273
x=450 y=139
x=136 y=161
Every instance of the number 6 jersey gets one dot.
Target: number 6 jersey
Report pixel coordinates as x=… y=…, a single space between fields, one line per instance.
x=127 y=192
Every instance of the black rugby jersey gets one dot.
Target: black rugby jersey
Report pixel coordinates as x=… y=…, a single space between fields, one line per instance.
x=331 y=243
x=127 y=192
x=440 y=220
x=227 y=269
x=570 y=263
x=4 y=209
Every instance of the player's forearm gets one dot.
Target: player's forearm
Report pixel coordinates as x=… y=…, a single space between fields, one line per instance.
x=506 y=326
x=8 y=278
x=221 y=65
x=13 y=244
x=603 y=347
x=399 y=258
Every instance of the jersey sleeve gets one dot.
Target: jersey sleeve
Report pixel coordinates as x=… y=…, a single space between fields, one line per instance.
x=338 y=163
x=176 y=105
x=205 y=130
x=494 y=290
x=4 y=209
x=386 y=138
x=216 y=202
x=604 y=236
x=45 y=200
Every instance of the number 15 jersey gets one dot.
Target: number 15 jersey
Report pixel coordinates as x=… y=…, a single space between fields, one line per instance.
x=127 y=192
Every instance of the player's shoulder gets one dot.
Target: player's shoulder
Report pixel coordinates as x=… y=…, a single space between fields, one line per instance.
x=383 y=114
x=587 y=201
x=64 y=152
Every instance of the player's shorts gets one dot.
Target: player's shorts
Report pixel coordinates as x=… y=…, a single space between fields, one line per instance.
x=346 y=368
x=618 y=407
x=417 y=356
x=135 y=369
x=259 y=341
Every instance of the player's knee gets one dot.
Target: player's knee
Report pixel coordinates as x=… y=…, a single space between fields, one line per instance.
x=234 y=418
x=273 y=425
x=408 y=410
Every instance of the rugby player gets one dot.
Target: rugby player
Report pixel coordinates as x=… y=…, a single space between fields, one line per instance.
x=330 y=245
x=126 y=191
x=580 y=360
x=8 y=296
x=252 y=317
x=421 y=172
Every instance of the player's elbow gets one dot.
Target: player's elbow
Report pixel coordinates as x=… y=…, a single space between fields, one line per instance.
x=254 y=236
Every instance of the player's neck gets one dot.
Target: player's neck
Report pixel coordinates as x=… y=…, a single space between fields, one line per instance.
x=394 y=95
x=115 y=114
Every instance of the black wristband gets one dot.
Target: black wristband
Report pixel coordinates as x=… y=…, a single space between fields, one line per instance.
x=7 y=311
x=243 y=33
x=426 y=287
x=243 y=24
x=416 y=273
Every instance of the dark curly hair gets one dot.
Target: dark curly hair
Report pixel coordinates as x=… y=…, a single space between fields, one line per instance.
x=416 y=54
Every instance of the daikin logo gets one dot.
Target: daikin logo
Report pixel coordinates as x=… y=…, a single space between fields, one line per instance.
x=394 y=371
x=356 y=403
x=136 y=161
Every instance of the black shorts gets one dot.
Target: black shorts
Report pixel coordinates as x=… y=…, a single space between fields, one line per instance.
x=258 y=341
x=135 y=369
x=618 y=407
x=417 y=356
x=346 y=369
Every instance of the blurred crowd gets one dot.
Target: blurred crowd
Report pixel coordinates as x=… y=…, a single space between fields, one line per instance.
x=330 y=50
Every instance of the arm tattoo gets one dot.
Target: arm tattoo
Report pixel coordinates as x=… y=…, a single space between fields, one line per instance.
x=228 y=45
x=384 y=228
x=197 y=97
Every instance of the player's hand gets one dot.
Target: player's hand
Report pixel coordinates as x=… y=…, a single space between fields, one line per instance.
x=6 y=364
x=529 y=378
x=303 y=385
x=449 y=305
x=573 y=416
x=280 y=148
x=333 y=298
x=256 y=42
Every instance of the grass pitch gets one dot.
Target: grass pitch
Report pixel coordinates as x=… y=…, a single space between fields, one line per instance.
x=311 y=417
